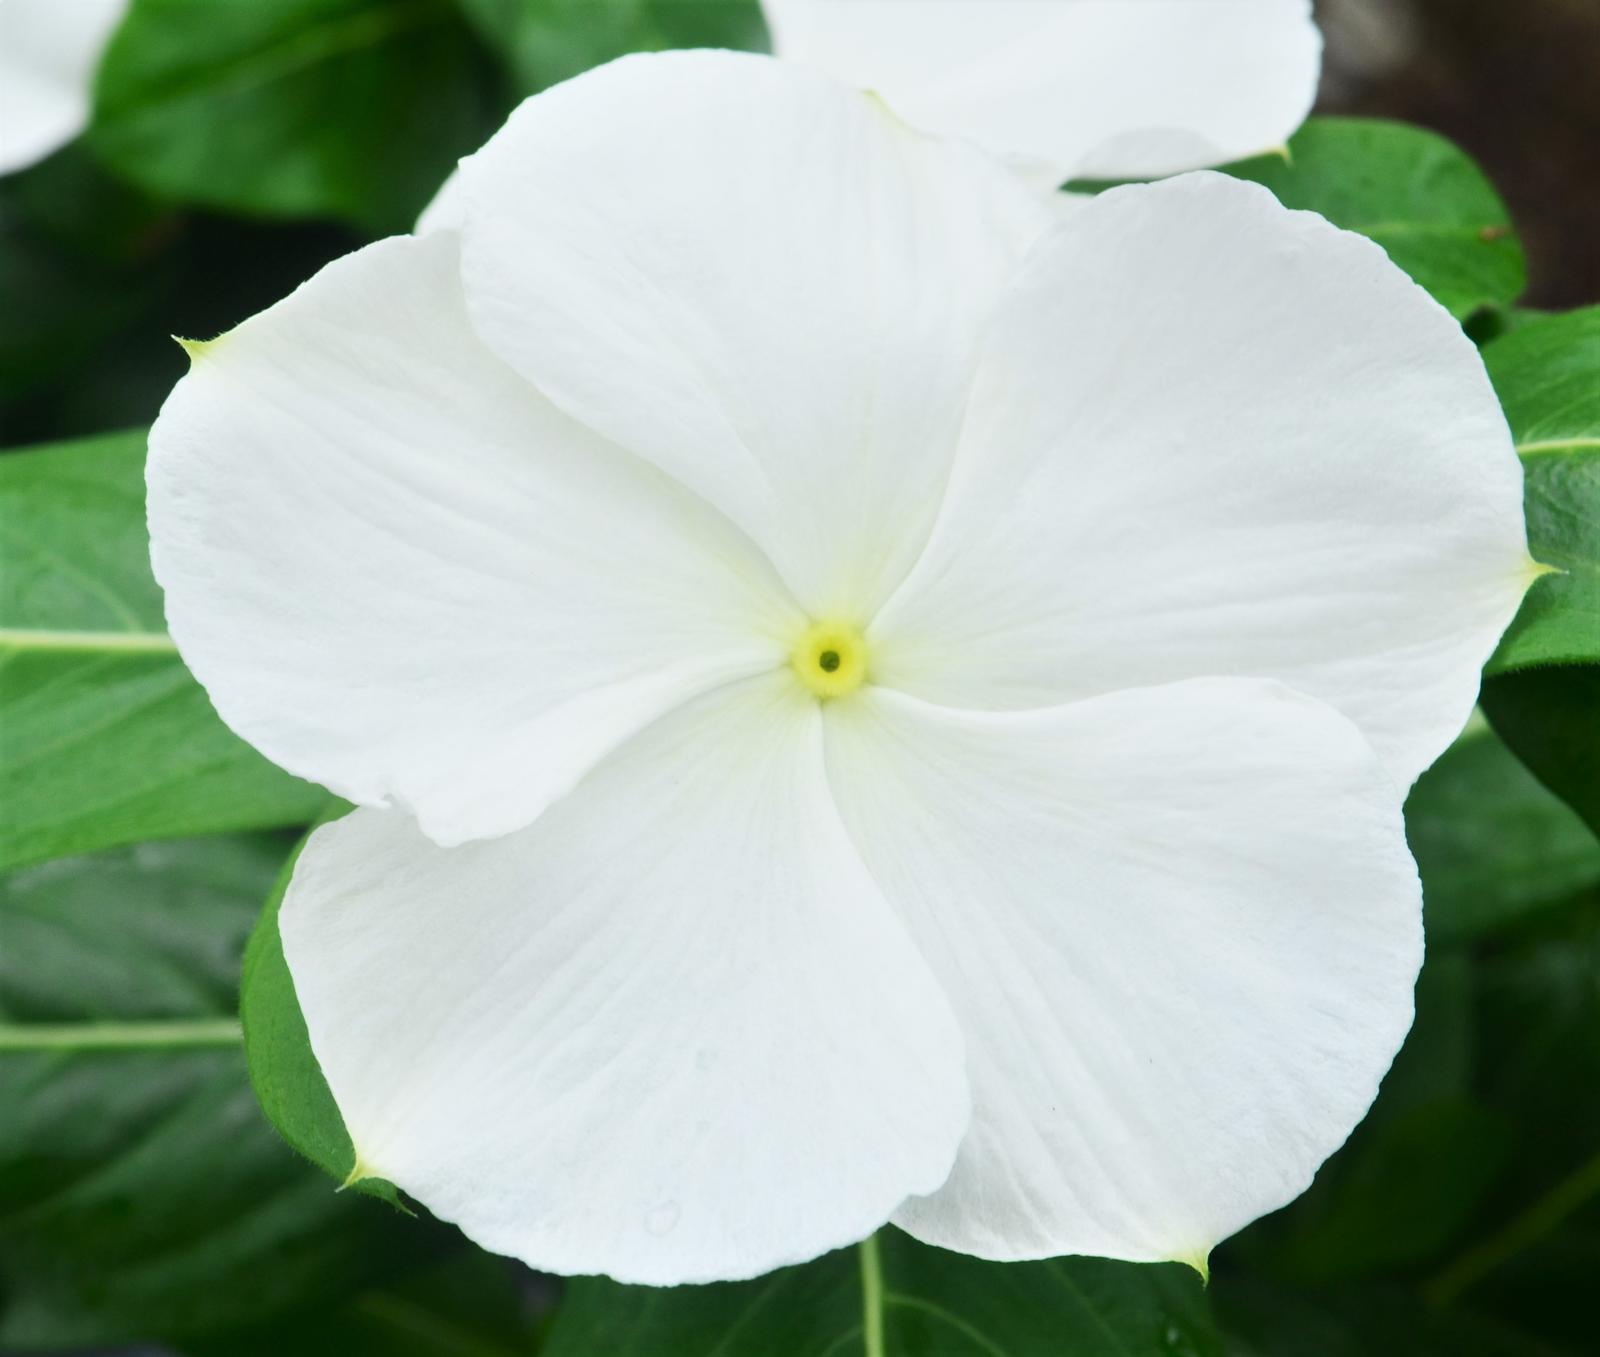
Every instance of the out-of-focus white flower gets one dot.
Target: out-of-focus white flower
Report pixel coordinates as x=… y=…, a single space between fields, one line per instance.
x=861 y=695
x=1111 y=89
x=49 y=50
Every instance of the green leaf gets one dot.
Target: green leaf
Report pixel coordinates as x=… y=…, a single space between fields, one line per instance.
x=1547 y=375
x=546 y=41
x=104 y=737
x=1415 y=194
x=141 y=1193
x=284 y=1072
x=468 y=1306
x=1551 y=720
x=893 y=1297
x=355 y=109
x=1530 y=1263
x=1494 y=846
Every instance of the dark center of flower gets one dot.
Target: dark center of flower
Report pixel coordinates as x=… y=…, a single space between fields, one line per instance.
x=828 y=660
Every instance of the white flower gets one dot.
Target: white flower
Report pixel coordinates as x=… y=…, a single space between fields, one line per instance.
x=1109 y=89
x=844 y=691
x=49 y=50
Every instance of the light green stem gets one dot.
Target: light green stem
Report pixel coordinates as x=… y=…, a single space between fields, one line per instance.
x=871 y=1297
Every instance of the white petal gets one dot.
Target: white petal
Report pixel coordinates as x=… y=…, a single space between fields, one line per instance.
x=670 y=1033
x=1090 y=88
x=400 y=572
x=1211 y=436
x=764 y=283
x=1180 y=927
x=48 y=53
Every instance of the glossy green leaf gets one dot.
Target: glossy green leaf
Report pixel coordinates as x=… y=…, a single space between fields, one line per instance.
x=1551 y=720
x=1493 y=845
x=546 y=41
x=104 y=737
x=1415 y=194
x=1547 y=374
x=141 y=1192
x=284 y=1072
x=355 y=109
x=893 y=1297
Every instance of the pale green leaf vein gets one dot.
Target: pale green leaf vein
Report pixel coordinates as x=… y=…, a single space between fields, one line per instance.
x=87 y=642
x=1545 y=445
x=120 y=1036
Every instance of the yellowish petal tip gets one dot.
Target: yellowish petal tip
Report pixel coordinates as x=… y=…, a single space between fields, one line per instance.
x=1537 y=570
x=195 y=348
x=1200 y=1261
x=1282 y=152
x=358 y=1171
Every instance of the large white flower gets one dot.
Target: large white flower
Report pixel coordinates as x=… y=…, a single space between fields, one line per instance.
x=1111 y=89
x=861 y=710
x=49 y=50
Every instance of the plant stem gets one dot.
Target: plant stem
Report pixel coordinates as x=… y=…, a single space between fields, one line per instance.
x=871 y=1297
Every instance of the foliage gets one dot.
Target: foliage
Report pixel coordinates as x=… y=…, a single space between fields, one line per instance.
x=141 y=1194
x=1547 y=374
x=898 y=1298
x=107 y=740
x=288 y=1083
x=1543 y=690
x=287 y=107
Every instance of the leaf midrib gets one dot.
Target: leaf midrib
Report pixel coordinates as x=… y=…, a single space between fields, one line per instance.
x=48 y=640
x=179 y=1033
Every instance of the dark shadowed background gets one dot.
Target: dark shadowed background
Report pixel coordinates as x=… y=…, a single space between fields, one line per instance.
x=1514 y=82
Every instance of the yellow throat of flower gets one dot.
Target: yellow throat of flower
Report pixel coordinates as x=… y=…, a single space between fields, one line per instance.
x=831 y=658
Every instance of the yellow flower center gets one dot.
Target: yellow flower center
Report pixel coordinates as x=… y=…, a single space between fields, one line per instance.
x=831 y=658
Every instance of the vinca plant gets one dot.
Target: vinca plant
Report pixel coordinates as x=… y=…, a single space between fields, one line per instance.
x=828 y=678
